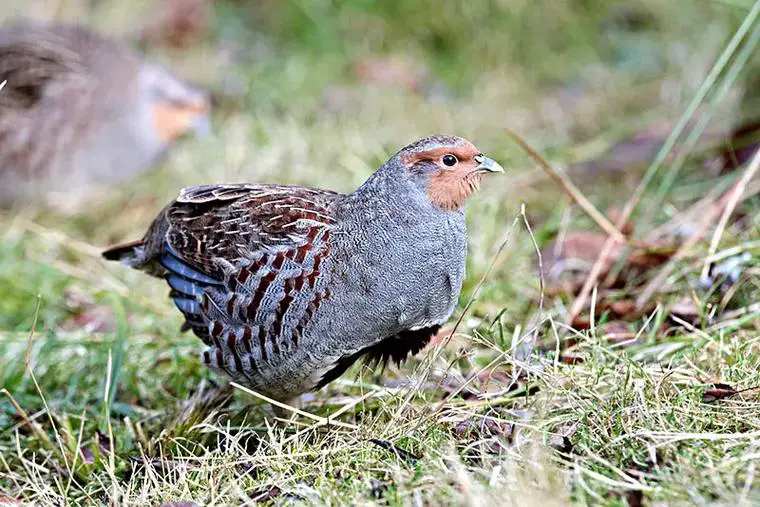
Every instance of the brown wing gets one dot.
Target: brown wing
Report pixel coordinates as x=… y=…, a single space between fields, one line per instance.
x=244 y=262
x=211 y=224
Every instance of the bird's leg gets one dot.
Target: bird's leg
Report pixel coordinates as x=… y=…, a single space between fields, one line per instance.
x=284 y=413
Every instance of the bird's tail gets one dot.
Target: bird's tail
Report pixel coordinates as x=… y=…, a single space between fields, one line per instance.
x=130 y=253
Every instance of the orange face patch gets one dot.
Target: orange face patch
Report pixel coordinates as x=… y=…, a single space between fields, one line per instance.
x=450 y=189
x=450 y=186
x=172 y=121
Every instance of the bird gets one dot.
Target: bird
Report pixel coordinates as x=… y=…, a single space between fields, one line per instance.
x=289 y=286
x=81 y=110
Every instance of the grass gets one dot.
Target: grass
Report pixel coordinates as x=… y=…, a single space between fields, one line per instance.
x=105 y=401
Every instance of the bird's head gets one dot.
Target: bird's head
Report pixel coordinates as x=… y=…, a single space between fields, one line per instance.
x=447 y=168
x=175 y=108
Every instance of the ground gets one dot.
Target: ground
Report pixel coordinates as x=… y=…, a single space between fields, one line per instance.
x=635 y=399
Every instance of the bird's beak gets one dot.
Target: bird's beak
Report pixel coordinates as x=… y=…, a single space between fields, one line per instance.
x=202 y=125
x=487 y=165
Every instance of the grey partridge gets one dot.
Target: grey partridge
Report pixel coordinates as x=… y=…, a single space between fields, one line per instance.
x=289 y=286
x=79 y=109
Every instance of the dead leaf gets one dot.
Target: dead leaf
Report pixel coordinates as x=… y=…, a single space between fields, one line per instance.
x=485 y=435
x=87 y=455
x=739 y=146
x=615 y=331
x=639 y=150
x=635 y=498
x=578 y=251
x=631 y=154
x=477 y=428
x=567 y=262
x=623 y=307
x=86 y=315
x=570 y=358
x=103 y=447
x=686 y=309
x=104 y=443
x=581 y=323
x=572 y=257
x=718 y=392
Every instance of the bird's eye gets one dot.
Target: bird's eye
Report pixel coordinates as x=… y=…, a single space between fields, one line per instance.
x=450 y=160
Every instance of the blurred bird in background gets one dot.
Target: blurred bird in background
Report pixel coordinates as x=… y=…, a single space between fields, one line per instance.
x=79 y=110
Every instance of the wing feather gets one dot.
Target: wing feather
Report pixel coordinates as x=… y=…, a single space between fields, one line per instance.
x=246 y=265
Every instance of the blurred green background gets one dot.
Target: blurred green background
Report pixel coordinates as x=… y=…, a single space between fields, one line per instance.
x=322 y=92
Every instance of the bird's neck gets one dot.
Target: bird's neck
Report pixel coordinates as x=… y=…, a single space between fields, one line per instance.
x=386 y=194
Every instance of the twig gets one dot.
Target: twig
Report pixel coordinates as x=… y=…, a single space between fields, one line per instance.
x=285 y=406
x=343 y=409
x=733 y=200
x=541 y=287
x=35 y=427
x=57 y=237
x=571 y=189
x=540 y=260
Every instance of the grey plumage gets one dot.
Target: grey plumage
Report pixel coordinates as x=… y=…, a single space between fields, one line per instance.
x=288 y=286
x=80 y=109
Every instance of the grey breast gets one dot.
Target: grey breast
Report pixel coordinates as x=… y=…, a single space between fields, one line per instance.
x=396 y=267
